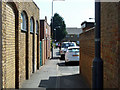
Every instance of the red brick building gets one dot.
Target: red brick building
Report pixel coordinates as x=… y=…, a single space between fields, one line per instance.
x=45 y=35
x=110 y=46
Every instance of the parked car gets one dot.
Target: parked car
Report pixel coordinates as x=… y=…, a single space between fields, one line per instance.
x=64 y=48
x=72 y=54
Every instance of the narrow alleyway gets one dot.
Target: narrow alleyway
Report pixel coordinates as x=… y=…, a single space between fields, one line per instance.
x=54 y=74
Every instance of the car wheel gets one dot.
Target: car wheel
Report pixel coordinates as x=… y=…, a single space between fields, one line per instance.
x=62 y=57
x=66 y=63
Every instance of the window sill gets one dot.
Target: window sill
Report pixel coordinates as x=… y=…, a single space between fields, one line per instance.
x=31 y=32
x=22 y=30
x=36 y=33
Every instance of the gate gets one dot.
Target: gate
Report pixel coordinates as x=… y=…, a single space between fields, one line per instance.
x=40 y=53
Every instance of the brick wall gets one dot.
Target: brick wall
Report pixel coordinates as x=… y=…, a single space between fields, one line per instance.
x=3 y=45
x=8 y=49
x=22 y=61
x=109 y=43
x=32 y=11
x=36 y=51
x=119 y=45
x=43 y=52
x=41 y=30
x=0 y=45
x=46 y=36
x=110 y=47
x=31 y=53
x=87 y=54
x=17 y=45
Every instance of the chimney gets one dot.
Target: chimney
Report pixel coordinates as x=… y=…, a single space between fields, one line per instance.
x=46 y=18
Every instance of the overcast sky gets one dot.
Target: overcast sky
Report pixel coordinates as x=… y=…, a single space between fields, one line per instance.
x=74 y=12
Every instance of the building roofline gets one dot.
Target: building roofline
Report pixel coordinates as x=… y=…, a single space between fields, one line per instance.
x=44 y=21
x=36 y=5
x=86 y=22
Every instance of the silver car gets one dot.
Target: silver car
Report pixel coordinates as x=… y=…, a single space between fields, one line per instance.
x=64 y=48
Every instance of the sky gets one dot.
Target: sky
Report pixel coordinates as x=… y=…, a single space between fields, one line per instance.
x=74 y=12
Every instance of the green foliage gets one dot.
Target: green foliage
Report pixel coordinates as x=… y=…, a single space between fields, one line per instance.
x=58 y=28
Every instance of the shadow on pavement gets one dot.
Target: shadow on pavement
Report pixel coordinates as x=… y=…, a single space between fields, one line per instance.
x=69 y=64
x=68 y=82
x=55 y=58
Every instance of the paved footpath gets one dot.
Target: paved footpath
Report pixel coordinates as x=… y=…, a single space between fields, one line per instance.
x=54 y=74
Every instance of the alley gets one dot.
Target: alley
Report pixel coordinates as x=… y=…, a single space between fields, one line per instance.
x=54 y=74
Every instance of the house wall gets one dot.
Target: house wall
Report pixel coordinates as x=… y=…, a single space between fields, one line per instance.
x=41 y=29
x=87 y=50
x=0 y=45
x=17 y=52
x=71 y=37
x=110 y=43
x=32 y=11
x=46 y=36
x=8 y=49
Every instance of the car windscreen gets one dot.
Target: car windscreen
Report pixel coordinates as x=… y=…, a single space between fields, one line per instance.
x=71 y=44
x=65 y=45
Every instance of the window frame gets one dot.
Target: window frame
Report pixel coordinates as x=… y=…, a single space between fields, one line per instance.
x=32 y=31
x=37 y=28
x=23 y=22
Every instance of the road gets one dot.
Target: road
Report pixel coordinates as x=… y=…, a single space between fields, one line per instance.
x=54 y=74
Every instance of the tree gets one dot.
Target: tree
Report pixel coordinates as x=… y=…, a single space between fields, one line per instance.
x=58 y=28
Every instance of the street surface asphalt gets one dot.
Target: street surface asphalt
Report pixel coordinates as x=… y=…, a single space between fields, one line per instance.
x=55 y=75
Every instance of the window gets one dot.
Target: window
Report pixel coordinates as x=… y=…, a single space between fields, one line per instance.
x=46 y=30
x=23 y=22
x=78 y=42
x=37 y=27
x=67 y=36
x=71 y=35
x=84 y=25
x=31 y=25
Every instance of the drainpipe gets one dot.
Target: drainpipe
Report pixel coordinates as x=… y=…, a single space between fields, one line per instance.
x=0 y=44
x=97 y=69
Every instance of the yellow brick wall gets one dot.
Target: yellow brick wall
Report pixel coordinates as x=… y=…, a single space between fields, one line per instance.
x=31 y=53
x=10 y=47
x=13 y=38
x=31 y=11
x=22 y=61
x=3 y=44
x=36 y=50
x=9 y=42
x=8 y=53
